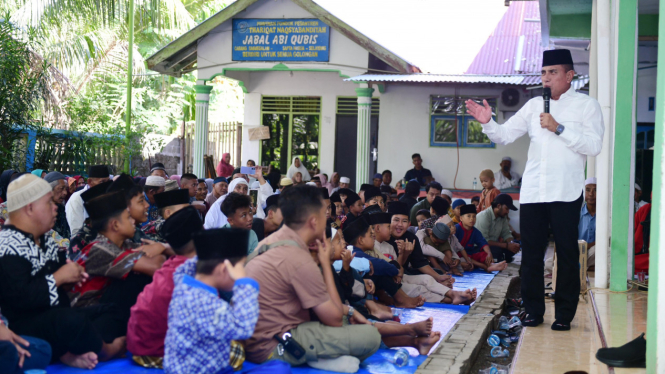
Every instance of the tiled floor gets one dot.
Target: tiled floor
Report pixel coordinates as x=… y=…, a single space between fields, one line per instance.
x=622 y=315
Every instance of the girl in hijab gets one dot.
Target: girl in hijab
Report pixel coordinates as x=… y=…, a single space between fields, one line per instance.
x=333 y=185
x=224 y=168
x=39 y=172
x=5 y=178
x=297 y=166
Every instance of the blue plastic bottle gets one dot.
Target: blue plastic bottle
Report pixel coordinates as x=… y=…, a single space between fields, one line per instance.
x=475 y=184
x=401 y=357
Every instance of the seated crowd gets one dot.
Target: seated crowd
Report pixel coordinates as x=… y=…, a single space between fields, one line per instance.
x=175 y=269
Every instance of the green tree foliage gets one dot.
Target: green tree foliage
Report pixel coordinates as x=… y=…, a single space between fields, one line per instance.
x=23 y=85
x=87 y=42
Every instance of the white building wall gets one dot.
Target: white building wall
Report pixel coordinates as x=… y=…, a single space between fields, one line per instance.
x=214 y=50
x=328 y=86
x=404 y=129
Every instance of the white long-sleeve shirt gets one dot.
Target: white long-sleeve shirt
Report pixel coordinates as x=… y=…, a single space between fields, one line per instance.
x=555 y=166
x=502 y=183
x=75 y=211
x=216 y=219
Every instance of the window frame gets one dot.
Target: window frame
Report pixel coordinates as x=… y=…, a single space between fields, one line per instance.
x=290 y=112
x=462 y=123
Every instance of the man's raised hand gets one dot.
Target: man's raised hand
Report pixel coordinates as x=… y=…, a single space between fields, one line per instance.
x=325 y=251
x=483 y=113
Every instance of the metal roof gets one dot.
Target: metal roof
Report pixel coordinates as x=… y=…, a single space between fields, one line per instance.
x=515 y=45
x=523 y=80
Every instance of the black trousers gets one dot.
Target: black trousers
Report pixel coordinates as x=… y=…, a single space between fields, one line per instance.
x=535 y=222
x=386 y=283
x=73 y=330
x=122 y=294
x=502 y=254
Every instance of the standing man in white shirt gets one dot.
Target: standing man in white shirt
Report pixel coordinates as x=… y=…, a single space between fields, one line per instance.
x=74 y=210
x=553 y=181
x=506 y=178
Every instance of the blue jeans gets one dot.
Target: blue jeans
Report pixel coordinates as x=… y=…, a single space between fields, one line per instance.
x=40 y=352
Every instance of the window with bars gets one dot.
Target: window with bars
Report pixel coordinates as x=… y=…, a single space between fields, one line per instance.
x=451 y=126
x=294 y=123
x=348 y=105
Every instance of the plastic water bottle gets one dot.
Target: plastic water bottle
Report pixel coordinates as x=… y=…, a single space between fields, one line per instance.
x=475 y=184
x=498 y=352
x=493 y=341
x=401 y=357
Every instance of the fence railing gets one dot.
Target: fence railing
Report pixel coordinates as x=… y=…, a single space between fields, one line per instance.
x=223 y=137
x=71 y=152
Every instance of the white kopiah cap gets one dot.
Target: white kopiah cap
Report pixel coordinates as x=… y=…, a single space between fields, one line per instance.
x=447 y=192
x=507 y=159
x=155 y=181
x=25 y=190
x=344 y=180
x=591 y=180
x=637 y=187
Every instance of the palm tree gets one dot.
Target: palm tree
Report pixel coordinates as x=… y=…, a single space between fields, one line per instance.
x=87 y=40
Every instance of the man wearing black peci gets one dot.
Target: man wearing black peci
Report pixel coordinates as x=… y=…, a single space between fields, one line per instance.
x=553 y=181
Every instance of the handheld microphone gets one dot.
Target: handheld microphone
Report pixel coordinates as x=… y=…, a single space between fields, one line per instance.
x=547 y=94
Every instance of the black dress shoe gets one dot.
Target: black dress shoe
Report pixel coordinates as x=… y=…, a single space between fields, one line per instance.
x=560 y=326
x=532 y=321
x=629 y=355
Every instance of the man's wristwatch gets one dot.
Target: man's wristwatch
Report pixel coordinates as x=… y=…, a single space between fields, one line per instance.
x=559 y=129
x=350 y=314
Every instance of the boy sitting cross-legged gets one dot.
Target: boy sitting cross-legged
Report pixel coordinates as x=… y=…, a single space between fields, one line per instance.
x=138 y=211
x=473 y=242
x=148 y=322
x=355 y=205
x=373 y=196
x=238 y=211
x=118 y=267
x=201 y=325
x=418 y=335
x=167 y=203
x=359 y=234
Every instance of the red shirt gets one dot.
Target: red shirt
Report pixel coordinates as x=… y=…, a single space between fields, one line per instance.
x=148 y=323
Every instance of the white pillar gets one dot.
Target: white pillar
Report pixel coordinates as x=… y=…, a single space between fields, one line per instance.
x=603 y=78
x=201 y=128
x=363 y=142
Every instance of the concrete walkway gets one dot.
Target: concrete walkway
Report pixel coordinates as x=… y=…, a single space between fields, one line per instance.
x=622 y=317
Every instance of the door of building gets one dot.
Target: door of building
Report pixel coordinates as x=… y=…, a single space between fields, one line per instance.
x=346 y=137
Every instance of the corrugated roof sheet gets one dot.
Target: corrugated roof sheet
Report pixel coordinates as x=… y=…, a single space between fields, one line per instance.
x=502 y=52
x=526 y=80
x=516 y=79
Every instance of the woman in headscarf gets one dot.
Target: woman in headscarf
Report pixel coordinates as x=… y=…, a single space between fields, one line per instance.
x=297 y=166
x=215 y=218
x=324 y=181
x=333 y=185
x=224 y=168
x=5 y=178
x=175 y=178
x=39 y=172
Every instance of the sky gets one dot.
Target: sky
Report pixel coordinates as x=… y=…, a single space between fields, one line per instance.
x=440 y=36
